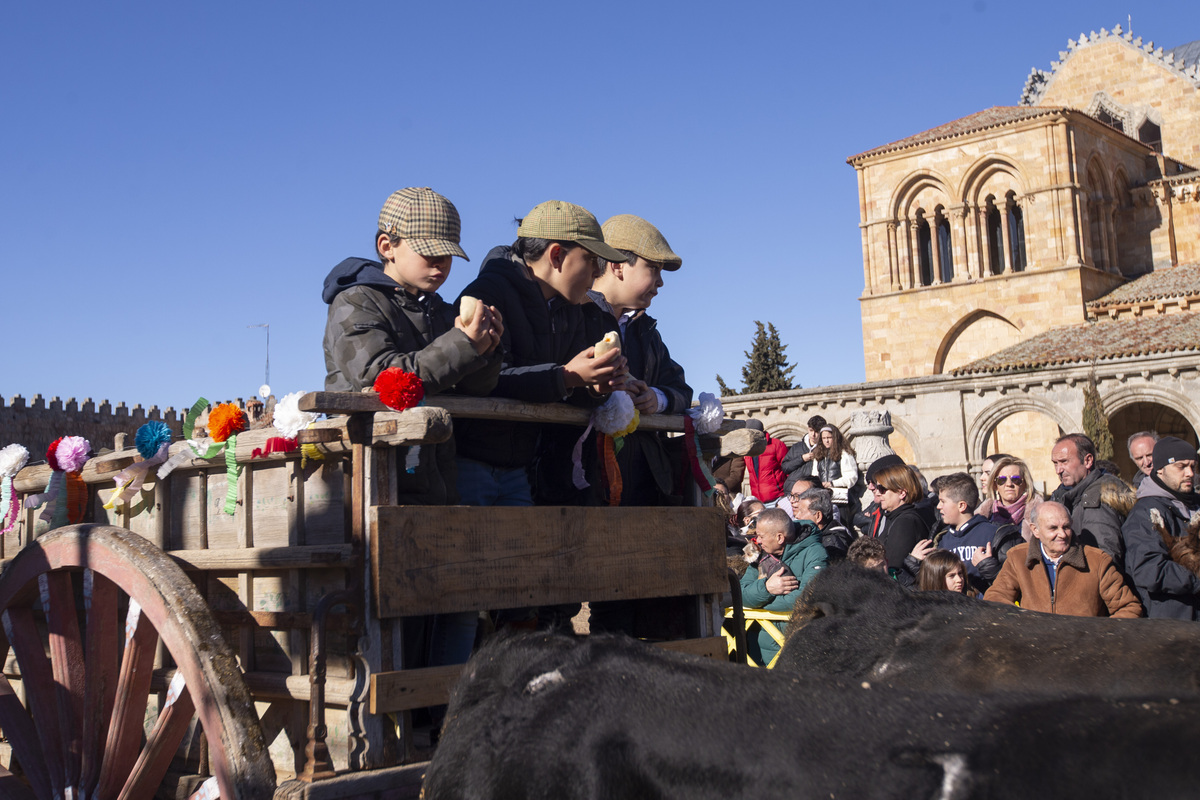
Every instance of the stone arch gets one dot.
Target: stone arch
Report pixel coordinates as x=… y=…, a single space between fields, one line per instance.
x=912 y=185
x=1127 y=395
x=953 y=335
x=902 y=427
x=978 y=174
x=787 y=431
x=986 y=421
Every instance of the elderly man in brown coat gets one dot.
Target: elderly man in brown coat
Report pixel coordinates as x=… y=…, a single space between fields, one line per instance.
x=1055 y=574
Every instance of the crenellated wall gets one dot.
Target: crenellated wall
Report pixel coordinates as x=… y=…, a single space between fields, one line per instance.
x=37 y=422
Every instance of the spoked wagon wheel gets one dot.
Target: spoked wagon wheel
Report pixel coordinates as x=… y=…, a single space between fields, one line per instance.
x=80 y=732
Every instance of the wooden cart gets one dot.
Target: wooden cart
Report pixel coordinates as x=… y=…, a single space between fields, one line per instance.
x=167 y=646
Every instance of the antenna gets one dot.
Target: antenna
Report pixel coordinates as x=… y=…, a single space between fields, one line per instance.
x=265 y=389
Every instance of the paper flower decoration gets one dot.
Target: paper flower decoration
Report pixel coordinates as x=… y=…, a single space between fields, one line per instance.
x=153 y=443
x=150 y=438
x=12 y=460
x=72 y=453
x=226 y=420
x=399 y=389
x=66 y=457
x=289 y=419
x=615 y=420
x=52 y=454
x=709 y=415
x=617 y=417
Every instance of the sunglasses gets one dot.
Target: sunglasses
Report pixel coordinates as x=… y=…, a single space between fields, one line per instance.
x=1017 y=480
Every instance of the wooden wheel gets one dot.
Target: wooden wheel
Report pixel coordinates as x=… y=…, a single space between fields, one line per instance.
x=80 y=732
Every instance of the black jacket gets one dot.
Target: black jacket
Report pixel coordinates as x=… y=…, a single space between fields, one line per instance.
x=905 y=527
x=1166 y=589
x=539 y=337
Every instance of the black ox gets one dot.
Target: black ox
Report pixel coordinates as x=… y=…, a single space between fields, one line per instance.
x=608 y=717
x=859 y=625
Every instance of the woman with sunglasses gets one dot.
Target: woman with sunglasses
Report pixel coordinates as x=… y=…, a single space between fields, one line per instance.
x=1013 y=495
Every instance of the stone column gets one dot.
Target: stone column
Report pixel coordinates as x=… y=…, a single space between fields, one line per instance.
x=1102 y=223
x=1006 y=244
x=868 y=434
x=893 y=257
x=962 y=269
x=912 y=275
x=935 y=252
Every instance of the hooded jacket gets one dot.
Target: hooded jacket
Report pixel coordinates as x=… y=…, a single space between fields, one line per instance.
x=765 y=470
x=1166 y=589
x=1087 y=583
x=374 y=324
x=540 y=336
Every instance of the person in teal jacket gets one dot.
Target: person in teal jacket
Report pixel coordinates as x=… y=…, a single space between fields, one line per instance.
x=803 y=556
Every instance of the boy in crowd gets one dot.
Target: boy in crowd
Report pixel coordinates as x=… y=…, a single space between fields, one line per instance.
x=619 y=299
x=968 y=535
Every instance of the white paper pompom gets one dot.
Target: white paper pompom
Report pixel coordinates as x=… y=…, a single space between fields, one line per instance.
x=12 y=459
x=289 y=419
x=709 y=415
x=616 y=414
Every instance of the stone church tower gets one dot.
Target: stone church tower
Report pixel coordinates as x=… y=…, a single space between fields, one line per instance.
x=1014 y=254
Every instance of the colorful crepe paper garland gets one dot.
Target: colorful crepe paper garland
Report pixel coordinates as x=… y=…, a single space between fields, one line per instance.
x=153 y=443
x=65 y=497
x=399 y=391
x=13 y=459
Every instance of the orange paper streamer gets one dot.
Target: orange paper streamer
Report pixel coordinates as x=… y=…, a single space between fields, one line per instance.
x=77 y=498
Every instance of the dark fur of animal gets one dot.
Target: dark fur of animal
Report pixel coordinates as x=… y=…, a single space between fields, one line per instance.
x=609 y=717
x=857 y=624
x=1184 y=550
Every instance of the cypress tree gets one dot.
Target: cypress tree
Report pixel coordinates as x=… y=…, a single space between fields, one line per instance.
x=1095 y=423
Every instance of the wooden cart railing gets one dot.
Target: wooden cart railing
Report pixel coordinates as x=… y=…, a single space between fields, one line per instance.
x=302 y=532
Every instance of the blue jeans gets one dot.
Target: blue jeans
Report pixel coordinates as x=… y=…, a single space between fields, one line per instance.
x=481 y=484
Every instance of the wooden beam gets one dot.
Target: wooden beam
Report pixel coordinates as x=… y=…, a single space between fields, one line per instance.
x=404 y=690
x=317 y=556
x=459 y=558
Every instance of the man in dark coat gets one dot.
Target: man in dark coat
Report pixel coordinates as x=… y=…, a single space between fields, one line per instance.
x=1166 y=589
x=1096 y=522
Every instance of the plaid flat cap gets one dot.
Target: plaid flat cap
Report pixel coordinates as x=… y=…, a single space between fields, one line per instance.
x=566 y=222
x=627 y=232
x=426 y=220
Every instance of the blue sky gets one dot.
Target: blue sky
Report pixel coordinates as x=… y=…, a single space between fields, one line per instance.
x=171 y=173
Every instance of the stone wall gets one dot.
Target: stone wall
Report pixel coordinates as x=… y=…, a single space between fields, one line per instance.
x=1137 y=84
x=37 y=422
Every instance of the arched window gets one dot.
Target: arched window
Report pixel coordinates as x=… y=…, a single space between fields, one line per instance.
x=995 y=240
x=925 y=252
x=945 y=254
x=1150 y=134
x=1016 y=236
x=1105 y=116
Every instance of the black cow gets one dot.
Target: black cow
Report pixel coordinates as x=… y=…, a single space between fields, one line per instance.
x=856 y=624
x=609 y=717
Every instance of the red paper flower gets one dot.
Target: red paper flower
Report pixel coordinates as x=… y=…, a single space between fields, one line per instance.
x=399 y=389
x=52 y=455
x=224 y=421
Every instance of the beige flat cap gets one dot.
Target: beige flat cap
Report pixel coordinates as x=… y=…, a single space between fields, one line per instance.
x=627 y=232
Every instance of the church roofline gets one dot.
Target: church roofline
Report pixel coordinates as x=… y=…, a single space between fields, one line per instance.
x=994 y=117
x=1179 y=60
x=1165 y=283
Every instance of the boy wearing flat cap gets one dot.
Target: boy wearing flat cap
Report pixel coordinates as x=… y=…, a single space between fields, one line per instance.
x=387 y=313
x=619 y=299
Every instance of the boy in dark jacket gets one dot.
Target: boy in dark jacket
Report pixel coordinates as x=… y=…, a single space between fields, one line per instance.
x=619 y=299
x=537 y=286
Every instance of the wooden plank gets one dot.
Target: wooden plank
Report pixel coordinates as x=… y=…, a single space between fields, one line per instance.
x=404 y=690
x=301 y=557
x=458 y=558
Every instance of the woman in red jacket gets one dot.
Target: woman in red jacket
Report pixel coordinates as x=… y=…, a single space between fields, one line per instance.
x=765 y=470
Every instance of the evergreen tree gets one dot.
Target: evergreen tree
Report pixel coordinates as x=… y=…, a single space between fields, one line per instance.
x=1095 y=423
x=766 y=369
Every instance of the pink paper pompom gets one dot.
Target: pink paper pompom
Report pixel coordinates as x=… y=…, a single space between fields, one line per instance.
x=72 y=453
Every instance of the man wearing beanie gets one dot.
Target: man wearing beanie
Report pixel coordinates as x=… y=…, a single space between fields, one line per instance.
x=1166 y=589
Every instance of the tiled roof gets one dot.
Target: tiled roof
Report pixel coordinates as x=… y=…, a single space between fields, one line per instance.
x=1179 y=281
x=981 y=120
x=1095 y=341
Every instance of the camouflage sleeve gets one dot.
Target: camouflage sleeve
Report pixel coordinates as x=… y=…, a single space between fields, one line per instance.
x=361 y=342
